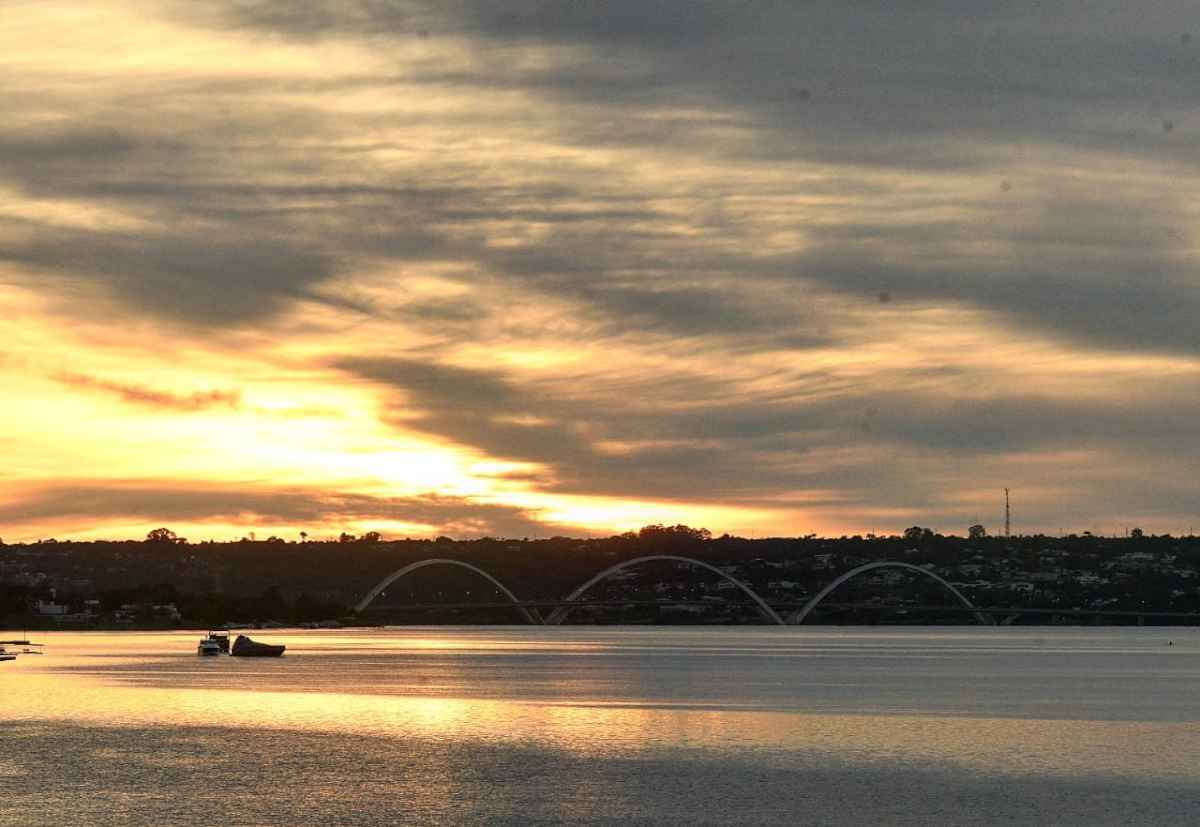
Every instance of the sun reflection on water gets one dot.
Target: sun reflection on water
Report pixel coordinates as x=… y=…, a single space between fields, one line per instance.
x=584 y=693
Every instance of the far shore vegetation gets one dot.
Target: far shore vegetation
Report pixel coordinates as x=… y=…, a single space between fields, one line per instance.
x=165 y=581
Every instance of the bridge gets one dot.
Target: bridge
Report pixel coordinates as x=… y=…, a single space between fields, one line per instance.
x=530 y=610
x=529 y=614
x=806 y=609
x=559 y=614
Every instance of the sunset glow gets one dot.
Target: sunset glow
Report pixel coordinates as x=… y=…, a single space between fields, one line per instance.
x=272 y=267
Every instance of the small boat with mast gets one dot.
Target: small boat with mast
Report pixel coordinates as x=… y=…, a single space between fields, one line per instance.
x=27 y=649
x=208 y=648
x=216 y=643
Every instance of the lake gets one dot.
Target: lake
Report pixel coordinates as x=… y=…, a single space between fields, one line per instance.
x=608 y=725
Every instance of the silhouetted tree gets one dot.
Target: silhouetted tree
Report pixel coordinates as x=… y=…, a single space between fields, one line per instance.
x=671 y=538
x=651 y=532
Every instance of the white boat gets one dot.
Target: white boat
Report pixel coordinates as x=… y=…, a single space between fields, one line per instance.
x=6 y=655
x=207 y=647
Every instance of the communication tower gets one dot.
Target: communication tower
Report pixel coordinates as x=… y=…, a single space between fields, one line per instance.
x=1007 y=516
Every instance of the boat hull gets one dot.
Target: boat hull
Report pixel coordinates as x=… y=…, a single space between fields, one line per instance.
x=244 y=647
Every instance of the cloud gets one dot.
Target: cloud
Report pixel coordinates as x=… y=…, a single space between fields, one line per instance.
x=153 y=397
x=249 y=504
x=941 y=89
x=54 y=146
x=642 y=245
x=185 y=279
x=911 y=439
x=262 y=230
x=818 y=69
x=1101 y=270
x=473 y=407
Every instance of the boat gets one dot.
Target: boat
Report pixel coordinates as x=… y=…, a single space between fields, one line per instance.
x=244 y=647
x=208 y=647
x=7 y=655
x=221 y=637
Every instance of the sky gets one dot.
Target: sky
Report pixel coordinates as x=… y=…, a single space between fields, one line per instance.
x=544 y=268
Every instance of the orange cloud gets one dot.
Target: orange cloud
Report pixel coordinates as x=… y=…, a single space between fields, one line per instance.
x=151 y=397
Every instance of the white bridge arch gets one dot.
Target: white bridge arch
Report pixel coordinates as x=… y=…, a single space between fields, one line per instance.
x=556 y=617
x=559 y=614
x=803 y=612
x=531 y=616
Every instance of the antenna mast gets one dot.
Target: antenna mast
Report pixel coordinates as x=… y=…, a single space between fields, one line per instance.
x=1007 y=516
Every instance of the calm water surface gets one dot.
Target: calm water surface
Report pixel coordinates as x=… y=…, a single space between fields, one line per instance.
x=608 y=725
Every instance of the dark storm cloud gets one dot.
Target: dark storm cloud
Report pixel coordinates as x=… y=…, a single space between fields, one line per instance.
x=251 y=504
x=154 y=397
